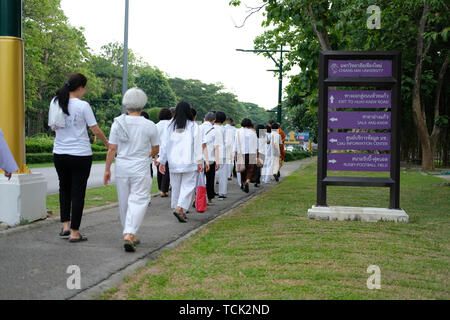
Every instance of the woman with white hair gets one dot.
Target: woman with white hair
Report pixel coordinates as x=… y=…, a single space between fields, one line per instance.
x=131 y=138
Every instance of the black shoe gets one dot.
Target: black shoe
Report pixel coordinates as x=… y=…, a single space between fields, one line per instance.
x=229 y=179
x=256 y=185
x=278 y=174
x=64 y=234
x=242 y=186
x=222 y=197
x=246 y=189
x=129 y=246
x=180 y=217
x=276 y=177
x=79 y=239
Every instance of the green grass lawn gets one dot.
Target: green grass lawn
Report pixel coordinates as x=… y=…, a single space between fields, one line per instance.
x=95 y=197
x=268 y=249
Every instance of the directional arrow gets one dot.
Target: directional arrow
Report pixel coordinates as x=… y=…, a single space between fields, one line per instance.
x=333 y=140
x=334 y=119
x=332 y=99
x=332 y=161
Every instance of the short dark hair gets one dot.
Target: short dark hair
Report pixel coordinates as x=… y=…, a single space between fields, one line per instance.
x=271 y=121
x=275 y=125
x=230 y=120
x=220 y=117
x=164 y=114
x=269 y=129
x=145 y=115
x=246 y=123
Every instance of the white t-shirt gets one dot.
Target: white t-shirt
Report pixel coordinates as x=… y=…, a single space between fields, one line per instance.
x=73 y=139
x=209 y=136
x=133 y=159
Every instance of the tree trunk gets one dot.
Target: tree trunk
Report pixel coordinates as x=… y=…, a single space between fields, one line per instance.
x=419 y=118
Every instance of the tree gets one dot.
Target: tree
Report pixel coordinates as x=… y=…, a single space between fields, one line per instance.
x=157 y=87
x=309 y=26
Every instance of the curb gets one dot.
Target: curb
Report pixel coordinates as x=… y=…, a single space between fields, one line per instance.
x=117 y=277
x=46 y=221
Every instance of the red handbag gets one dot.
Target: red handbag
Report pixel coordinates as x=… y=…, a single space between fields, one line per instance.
x=201 y=202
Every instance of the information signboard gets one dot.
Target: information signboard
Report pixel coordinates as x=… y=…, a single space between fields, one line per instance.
x=359 y=96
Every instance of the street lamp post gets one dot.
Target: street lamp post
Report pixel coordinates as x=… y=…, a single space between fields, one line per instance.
x=279 y=65
x=125 y=54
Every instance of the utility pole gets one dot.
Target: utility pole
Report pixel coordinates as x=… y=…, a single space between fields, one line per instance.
x=279 y=65
x=125 y=54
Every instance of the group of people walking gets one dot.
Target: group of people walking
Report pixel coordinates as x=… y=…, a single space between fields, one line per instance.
x=181 y=149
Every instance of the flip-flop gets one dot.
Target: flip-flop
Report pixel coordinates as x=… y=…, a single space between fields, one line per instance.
x=80 y=239
x=129 y=246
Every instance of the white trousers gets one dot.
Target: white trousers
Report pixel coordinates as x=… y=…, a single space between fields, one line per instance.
x=183 y=186
x=222 y=177
x=134 y=197
x=266 y=171
x=229 y=167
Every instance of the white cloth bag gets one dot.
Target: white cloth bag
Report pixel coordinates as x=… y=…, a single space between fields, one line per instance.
x=56 y=119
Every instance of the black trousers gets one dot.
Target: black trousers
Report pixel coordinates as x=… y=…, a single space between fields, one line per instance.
x=164 y=180
x=210 y=177
x=73 y=173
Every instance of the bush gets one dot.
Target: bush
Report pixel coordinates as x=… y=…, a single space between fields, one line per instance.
x=297 y=154
x=48 y=157
x=44 y=144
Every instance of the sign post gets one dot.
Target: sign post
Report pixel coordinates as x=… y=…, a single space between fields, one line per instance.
x=350 y=120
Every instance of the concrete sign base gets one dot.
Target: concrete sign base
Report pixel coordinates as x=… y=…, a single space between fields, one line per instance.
x=357 y=214
x=23 y=198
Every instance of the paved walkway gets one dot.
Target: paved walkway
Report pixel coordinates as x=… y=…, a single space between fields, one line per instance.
x=34 y=260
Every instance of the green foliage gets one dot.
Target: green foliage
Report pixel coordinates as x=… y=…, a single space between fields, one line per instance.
x=157 y=88
x=296 y=154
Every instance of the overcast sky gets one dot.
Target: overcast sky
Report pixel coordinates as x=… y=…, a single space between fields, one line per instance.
x=193 y=39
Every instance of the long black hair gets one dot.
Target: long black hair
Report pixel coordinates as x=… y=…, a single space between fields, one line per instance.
x=258 y=128
x=182 y=115
x=75 y=81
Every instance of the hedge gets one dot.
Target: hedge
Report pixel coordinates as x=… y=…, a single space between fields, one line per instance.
x=296 y=155
x=48 y=157
x=45 y=145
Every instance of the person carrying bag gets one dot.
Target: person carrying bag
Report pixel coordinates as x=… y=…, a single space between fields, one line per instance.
x=200 y=198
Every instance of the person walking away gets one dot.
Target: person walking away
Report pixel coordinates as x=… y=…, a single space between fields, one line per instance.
x=72 y=153
x=246 y=152
x=182 y=149
x=262 y=143
x=131 y=138
x=266 y=171
x=209 y=153
x=219 y=143
x=165 y=116
x=276 y=151
x=282 y=148
x=230 y=133
x=7 y=162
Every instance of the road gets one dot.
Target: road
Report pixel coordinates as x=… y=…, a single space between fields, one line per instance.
x=95 y=178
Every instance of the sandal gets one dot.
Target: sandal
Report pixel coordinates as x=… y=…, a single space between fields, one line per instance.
x=64 y=234
x=180 y=217
x=129 y=246
x=79 y=239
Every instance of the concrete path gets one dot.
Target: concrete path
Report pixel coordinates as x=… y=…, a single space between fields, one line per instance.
x=34 y=260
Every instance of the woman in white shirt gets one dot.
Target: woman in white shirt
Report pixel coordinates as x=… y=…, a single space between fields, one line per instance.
x=72 y=153
x=246 y=150
x=165 y=116
x=131 y=137
x=182 y=149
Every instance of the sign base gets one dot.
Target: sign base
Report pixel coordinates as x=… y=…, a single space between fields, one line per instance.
x=357 y=214
x=23 y=198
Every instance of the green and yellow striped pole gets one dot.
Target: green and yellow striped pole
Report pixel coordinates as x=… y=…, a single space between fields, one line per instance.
x=12 y=88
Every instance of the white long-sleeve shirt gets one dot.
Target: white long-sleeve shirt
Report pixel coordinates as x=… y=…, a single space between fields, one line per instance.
x=182 y=148
x=245 y=142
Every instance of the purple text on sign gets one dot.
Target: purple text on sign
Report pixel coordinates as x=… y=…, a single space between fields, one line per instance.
x=359 y=99
x=359 y=68
x=359 y=120
x=358 y=162
x=359 y=141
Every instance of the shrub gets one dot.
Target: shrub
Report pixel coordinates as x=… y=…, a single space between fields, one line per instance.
x=44 y=144
x=48 y=157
